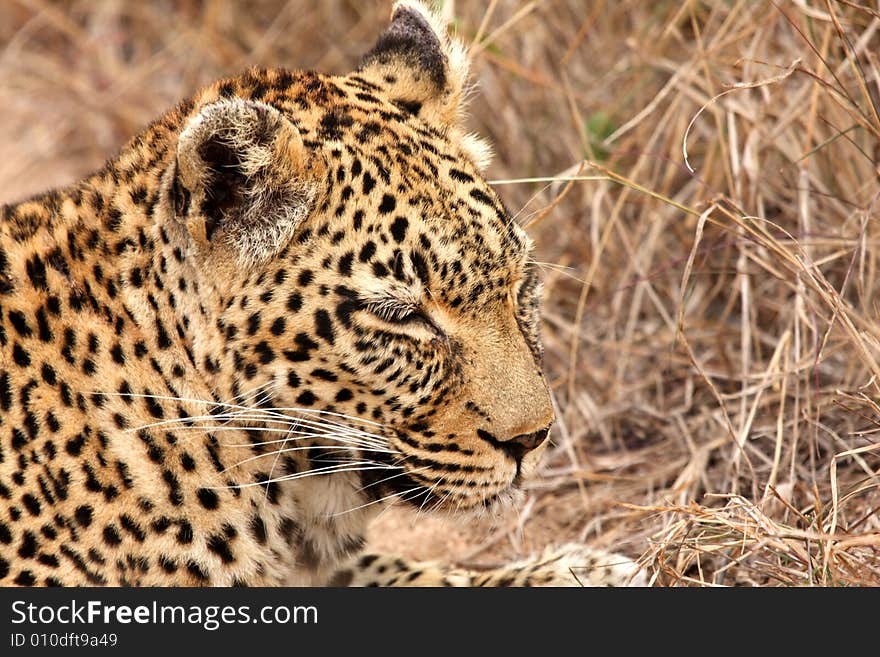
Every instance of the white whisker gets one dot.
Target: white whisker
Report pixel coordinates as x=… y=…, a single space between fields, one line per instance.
x=372 y=445
x=381 y=499
x=291 y=449
x=399 y=474
x=304 y=411
x=357 y=467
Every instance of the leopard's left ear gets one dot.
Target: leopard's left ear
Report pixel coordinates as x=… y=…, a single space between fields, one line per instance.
x=424 y=70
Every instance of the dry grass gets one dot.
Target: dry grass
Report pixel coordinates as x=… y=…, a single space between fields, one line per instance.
x=712 y=336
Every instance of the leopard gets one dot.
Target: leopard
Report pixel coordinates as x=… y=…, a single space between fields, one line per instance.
x=290 y=301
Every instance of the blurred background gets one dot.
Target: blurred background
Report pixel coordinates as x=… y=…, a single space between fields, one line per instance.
x=701 y=180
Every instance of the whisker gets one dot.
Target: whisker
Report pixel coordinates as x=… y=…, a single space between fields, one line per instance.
x=304 y=411
x=278 y=456
x=254 y=392
x=358 y=467
x=440 y=502
x=255 y=416
x=427 y=496
x=399 y=474
x=285 y=450
x=381 y=499
x=296 y=435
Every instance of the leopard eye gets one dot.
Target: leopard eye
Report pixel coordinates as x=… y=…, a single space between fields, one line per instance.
x=401 y=314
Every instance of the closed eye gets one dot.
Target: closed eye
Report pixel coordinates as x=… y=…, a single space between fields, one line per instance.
x=397 y=312
x=392 y=310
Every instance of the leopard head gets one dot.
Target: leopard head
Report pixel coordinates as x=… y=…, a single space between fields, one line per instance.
x=361 y=270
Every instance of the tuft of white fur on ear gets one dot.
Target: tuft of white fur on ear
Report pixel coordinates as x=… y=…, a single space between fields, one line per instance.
x=477 y=148
x=249 y=178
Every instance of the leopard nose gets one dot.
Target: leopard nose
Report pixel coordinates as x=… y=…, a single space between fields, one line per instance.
x=518 y=446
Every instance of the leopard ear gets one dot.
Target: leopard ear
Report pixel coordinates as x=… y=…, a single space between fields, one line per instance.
x=244 y=180
x=424 y=70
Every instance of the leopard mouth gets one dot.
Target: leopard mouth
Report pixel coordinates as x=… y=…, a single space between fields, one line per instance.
x=428 y=496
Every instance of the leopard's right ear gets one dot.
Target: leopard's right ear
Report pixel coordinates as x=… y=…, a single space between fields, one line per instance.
x=243 y=181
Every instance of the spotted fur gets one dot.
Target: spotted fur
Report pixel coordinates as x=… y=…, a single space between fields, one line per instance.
x=288 y=300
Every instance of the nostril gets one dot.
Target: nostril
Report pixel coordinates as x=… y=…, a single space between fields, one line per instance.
x=518 y=446
x=529 y=441
x=525 y=443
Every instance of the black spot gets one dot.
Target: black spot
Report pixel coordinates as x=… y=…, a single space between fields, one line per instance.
x=294 y=302
x=187 y=462
x=185 y=533
x=258 y=529
x=48 y=374
x=289 y=530
x=21 y=357
x=25 y=578
x=482 y=197
x=129 y=525
x=162 y=338
x=325 y=375
x=52 y=422
x=31 y=503
x=208 y=498
x=460 y=176
x=5 y=391
x=324 y=325
x=369 y=182
x=220 y=546
x=196 y=571
x=367 y=252
x=83 y=515
x=161 y=524
x=306 y=398
x=111 y=535
x=421 y=267
x=278 y=326
x=36 y=272
x=175 y=495
x=398 y=229
x=19 y=440
x=265 y=352
x=253 y=323
x=388 y=204
x=409 y=106
x=28 y=547
x=43 y=326
x=153 y=406
x=19 y=323
x=345 y=264
x=333 y=122
x=74 y=445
